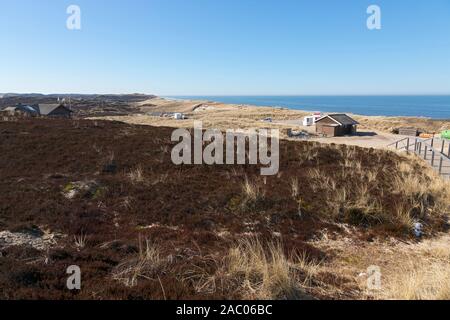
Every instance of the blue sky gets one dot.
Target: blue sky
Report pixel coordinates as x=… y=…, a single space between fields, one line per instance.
x=225 y=47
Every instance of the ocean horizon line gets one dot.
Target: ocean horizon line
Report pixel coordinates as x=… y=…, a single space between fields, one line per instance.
x=423 y=106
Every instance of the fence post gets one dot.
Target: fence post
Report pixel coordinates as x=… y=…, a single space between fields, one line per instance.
x=443 y=144
x=425 y=152
x=407 y=145
x=432 y=142
x=432 y=158
x=396 y=145
x=440 y=165
x=420 y=147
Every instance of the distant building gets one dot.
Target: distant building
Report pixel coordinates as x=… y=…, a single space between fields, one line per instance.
x=46 y=110
x=21 y=109
x=408 y=131
x=173 y=115
x=54 y=110
x=333 y=125
x=178 y=116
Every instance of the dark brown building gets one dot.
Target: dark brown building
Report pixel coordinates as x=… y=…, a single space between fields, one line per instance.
x=334 y=125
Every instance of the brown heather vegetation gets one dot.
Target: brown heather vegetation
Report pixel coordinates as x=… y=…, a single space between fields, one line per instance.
x=142 y=228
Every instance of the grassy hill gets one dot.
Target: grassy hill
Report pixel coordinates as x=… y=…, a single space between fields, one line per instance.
x=105 y=196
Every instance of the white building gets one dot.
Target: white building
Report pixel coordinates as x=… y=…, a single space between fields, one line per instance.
x=178 y=116
x=311 y=120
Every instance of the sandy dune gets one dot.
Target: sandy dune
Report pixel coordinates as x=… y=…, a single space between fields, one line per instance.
x=374 y=131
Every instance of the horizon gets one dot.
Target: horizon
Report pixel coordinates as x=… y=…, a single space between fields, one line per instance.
x=227 y=48
x=229 y=95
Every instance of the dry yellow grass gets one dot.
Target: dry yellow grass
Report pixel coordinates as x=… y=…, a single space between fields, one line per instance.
x=146 y=265
x=294 y=188
x=423 y=274
x=252 y=197
x=409 y=270
x=252 y=271
x=426 y=194
x=422 y=194
x=267 y=274
x=419 y=281
x=80 y=241
x=136 y=175
x=253 y=190
x=387 y=124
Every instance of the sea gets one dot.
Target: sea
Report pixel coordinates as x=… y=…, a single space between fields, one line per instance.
x=428 y=106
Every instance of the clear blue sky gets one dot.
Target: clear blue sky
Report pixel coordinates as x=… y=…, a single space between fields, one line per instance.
x=225 y=47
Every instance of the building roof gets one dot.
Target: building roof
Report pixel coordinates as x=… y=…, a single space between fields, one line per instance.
x=27 y=108
x=22 y=108
x=46 y=109
x=340 y=119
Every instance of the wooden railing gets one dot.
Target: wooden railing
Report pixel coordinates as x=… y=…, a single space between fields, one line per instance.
x=431 y=150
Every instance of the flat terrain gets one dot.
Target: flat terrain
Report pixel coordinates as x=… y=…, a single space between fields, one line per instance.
x=105 y=196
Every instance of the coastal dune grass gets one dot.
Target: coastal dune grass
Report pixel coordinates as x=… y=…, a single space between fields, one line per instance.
x=375 y=194
x=420 y=281
x=424 y=275
x=256 y=271
x=147 y=264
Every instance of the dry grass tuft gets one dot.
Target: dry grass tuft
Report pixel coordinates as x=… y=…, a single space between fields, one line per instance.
x=136 y=175
x=426 y=196
x=80 y=241
x=425 y=276
x=147 y=265
x=253 y=271
x=252 y=190
x=373 y=196
x=253 y=194
x=294 y=188
x=420 y=282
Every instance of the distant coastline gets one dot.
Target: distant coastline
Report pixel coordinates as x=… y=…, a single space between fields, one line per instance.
x=421 y=106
